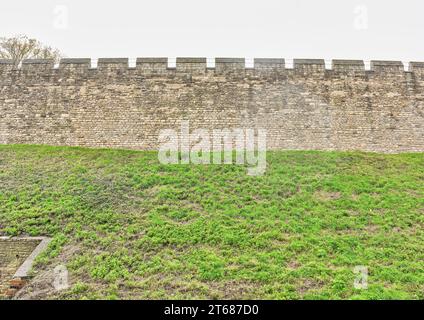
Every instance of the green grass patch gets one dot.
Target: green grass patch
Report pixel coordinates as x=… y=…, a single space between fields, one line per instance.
x=127 y=226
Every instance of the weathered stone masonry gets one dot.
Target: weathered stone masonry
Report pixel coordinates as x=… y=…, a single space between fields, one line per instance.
x=307 y=107
x=13 y=253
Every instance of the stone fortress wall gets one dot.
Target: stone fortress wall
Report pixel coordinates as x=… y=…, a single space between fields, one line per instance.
x=305 y=107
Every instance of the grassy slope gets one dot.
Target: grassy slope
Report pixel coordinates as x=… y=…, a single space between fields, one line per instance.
x=128 y=227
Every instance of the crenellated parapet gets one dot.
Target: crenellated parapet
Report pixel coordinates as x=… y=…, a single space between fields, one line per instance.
x=308 y=67
x=229 y=65
x=6 y=65
x=417 y=68
x=264 y=66
x=110 y=64
x=75 y=66
x=37 y=65
x=348 y=66
x=152 y=65
x=197 y=66
x=385 y=67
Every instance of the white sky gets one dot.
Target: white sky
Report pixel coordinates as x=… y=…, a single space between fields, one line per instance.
x=347 y=29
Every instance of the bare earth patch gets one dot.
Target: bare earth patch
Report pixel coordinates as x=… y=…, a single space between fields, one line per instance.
x=326 y=196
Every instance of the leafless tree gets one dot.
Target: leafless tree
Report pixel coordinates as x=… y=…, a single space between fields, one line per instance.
x=21 y=47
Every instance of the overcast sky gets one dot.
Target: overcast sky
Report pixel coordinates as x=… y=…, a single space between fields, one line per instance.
x=223 y=28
